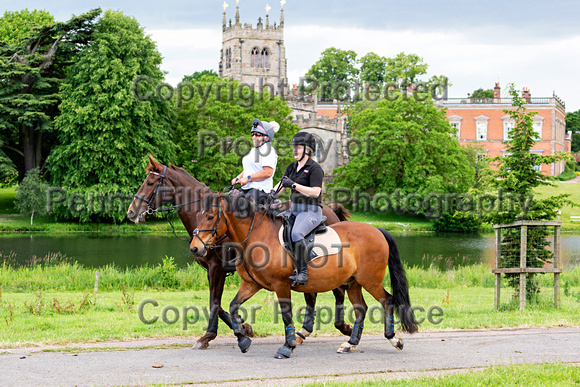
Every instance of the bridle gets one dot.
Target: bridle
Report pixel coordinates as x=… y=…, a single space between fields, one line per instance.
x=211 y=244
x=213 y=230
x=150 y=210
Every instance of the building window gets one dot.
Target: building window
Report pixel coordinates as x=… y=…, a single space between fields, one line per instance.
x=455 y=122
x=228 y=58
x=457 y=126
x=538 y=168
x=265 y=60
x=255 y=59
x=538 y=130
x=507 y=126
x=481 y=130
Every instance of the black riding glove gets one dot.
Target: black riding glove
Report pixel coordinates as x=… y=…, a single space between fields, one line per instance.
x=287 y=182
x=272 y=197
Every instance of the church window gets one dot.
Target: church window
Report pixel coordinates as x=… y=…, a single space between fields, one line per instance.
x=255 y=59
x=228 y=58
x=265 y=60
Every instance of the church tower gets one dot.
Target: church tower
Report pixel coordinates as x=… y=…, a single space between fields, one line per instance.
x=254 y=56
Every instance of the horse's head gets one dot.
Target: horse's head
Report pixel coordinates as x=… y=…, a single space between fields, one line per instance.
x=212 y=225
x=156 y=191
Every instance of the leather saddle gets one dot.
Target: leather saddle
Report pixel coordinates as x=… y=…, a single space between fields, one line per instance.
x=288 y=222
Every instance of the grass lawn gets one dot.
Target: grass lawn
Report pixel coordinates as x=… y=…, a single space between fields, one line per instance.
x=7 y=197
x=547 y=375
x=565 y=188
x=34 y=318
x=393 y=221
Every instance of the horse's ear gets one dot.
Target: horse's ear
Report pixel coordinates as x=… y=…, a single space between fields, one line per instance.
x=153 y=165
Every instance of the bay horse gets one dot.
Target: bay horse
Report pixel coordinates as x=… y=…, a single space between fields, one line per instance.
x=173 y=185
x=363 y=264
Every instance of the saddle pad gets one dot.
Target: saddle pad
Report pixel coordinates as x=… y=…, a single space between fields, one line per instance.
x=327 y=243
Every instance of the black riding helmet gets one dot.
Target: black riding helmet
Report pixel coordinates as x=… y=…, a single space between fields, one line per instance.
x=304 y=138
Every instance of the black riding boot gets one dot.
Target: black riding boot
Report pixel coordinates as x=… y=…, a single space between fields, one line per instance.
x=301 y=254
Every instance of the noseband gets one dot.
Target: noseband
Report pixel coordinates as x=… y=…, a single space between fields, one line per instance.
x=213 y=230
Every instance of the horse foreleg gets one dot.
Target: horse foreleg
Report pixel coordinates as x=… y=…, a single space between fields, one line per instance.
x=285 y=351
x=216 y=278
x=309 y=315
x=345 y=329
x=247 y=290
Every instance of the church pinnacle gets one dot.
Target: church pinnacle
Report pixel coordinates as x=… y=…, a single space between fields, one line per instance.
x=282 y=13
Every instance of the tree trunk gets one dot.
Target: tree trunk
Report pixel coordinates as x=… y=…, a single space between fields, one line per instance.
x=38 y=150
x=31 y=217
x=27 y=143
x=31 y=144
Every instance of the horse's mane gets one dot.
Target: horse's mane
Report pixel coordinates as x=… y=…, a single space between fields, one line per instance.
x=154 y=168
x=240 y=206
x=186 y=174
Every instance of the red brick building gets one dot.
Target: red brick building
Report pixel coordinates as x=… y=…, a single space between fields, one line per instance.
x=482 y=121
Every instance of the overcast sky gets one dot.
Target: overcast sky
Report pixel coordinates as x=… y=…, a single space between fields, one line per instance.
x=535 y=44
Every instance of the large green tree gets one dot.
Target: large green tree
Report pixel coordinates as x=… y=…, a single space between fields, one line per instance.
x=481 y=93
x=34 y=52
x=15 y=25
x=105 y=128
x=373 y=68
x=334 y=73
x=410 y=146
x=196 y=76
x=213 y=129
x=405 y=68
x=573 y=125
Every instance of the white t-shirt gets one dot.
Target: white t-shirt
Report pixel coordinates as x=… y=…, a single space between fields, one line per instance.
x=255 y=161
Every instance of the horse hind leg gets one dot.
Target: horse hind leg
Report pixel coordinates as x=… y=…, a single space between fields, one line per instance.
x=345 y=329
x=360 y=308
x=386 y=300
x=310 y=314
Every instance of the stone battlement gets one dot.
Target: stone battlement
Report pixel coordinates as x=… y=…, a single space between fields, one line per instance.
x=306 y=120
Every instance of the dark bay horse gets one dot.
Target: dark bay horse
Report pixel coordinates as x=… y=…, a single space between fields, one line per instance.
x=363 y=264
x=174 y=185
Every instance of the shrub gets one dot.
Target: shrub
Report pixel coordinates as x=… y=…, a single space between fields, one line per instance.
x=458 y=222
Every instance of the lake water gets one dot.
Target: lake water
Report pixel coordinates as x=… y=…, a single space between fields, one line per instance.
x=444 y=250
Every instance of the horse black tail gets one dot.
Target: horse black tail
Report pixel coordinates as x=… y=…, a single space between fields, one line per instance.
x=399 y=285
x=342 y=213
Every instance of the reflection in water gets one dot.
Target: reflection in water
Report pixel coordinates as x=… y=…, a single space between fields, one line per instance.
x=443 y=250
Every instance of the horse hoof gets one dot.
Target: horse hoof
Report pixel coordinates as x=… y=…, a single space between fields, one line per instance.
x=399 y=345
x=249 y=331
x=200 y=345
x=283 y=353
x=397 y=342
x=346 y=348
x=244 y=344
x=301 y=336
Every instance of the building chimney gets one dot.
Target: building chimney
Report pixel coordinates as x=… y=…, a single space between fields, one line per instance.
x=497 y=93
x=526 y=95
